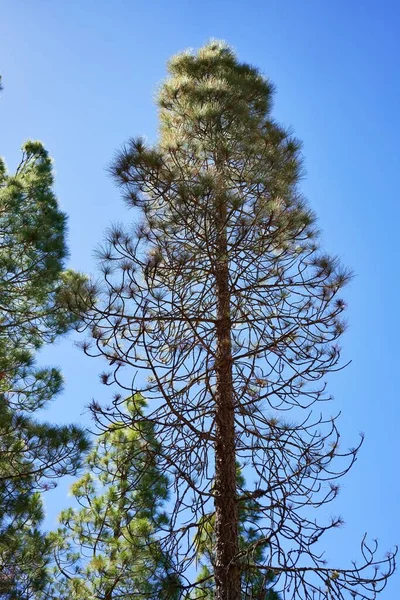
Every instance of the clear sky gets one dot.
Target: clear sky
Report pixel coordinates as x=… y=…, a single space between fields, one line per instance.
x=81 y=76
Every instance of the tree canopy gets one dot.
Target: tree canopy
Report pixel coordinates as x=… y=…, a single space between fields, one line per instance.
x=220 y=308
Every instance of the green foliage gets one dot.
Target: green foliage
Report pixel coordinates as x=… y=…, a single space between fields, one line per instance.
x=32 y=254
x=107 y=547
x=32 y=454
x=24 y=550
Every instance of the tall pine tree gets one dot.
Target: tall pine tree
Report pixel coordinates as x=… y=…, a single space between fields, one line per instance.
x=222 y=310
x=33 y=455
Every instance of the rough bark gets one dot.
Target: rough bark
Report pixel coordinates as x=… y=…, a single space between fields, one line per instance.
x=226 y=569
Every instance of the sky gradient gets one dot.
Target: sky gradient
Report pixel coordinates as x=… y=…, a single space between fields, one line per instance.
x=81 y=76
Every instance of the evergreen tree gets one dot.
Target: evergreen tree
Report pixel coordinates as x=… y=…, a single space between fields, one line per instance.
x=106 y=548
x=32 y=284
x=222 y=296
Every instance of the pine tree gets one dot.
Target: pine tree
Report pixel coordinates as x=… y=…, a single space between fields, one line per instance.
x=223 y=297
x=32 y=284
x=106 y=548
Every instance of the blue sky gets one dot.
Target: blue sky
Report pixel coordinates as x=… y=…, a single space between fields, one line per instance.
x=81 y=76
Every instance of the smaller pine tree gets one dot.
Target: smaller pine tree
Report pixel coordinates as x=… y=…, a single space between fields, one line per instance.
x=107 y=548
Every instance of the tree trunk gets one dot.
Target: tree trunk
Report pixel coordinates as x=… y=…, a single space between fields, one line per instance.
x=226 y=569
